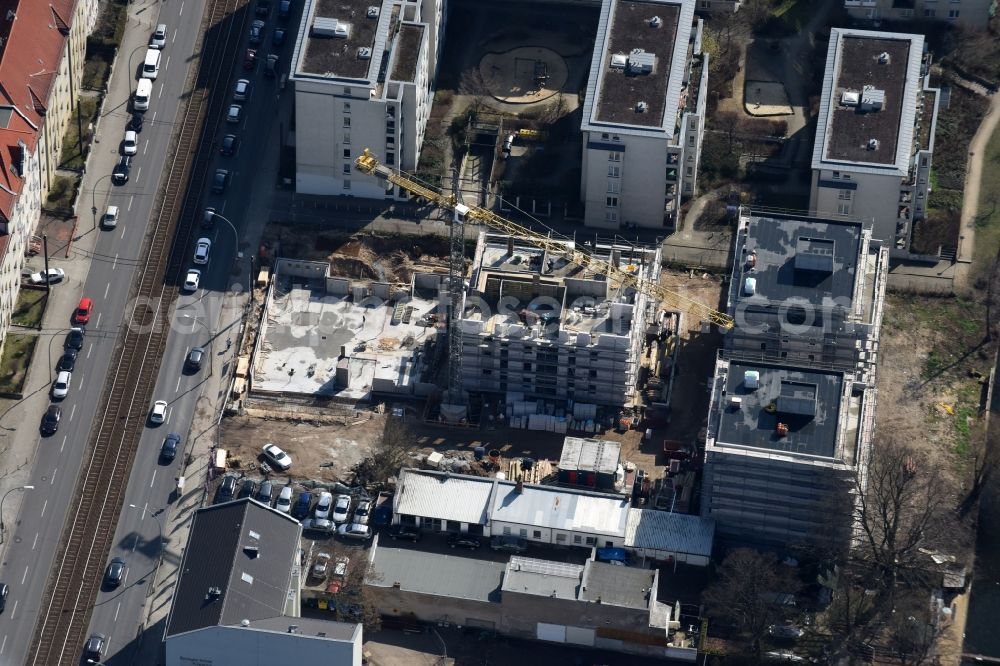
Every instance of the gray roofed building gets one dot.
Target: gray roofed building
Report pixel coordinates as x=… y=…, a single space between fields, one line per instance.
x=663 y=535
x=237 y=566
x=559 y=509
x=441 y=496
x=629 y=587
x=528 y=575
x=436 y=575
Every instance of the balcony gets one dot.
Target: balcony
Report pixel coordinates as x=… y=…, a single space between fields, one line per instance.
x=860 y=3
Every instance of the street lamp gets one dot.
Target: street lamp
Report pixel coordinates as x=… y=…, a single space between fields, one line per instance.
x=236 y=234
x=2 y=499
x=93 y=197
x=159 y=527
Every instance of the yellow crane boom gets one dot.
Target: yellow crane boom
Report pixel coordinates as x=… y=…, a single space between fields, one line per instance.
x=368 y=163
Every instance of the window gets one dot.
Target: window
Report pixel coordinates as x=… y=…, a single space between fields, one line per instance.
x=615 y=137
x=846 y=176
x=844 y=209
x=836 y=175
x=487 y=372
x=706 y=4
x=347 y=91
x=611 y=216
x=560 y=538
x=929 y=13
x=613 y=187
x=523 y=532
x=923 y=161
x=347 y=184
x=689 y=171
x=347 y=138
x=612 y=202
x=347 y=107
x=591 y=541
x=614 y=171
x=577 y=538
x=390 y=140
x=537 y=534
x=527 y=365
x=347 y=168
x=593 y=373
x=953 y=13
x=844 y=195
x=691 y=141
x=390 y=111
x=614 y=156
x=347 y=121
x=907 y=13
x=506 y=531
x=605 y=136
x=390 y=158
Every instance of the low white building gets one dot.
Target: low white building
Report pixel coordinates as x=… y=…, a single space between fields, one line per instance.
x=968 y=13
x=363 y=73
x=643 y=114
x=875 y=133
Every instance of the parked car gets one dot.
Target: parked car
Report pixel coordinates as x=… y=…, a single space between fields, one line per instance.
x=74 y=339
x=284 y=8
x=110 y=219
x=158 y=40
x=4 y=590
x=227 y=489
x=284 y=502
x=257 y=31
x=194 y=359
x=278 y=37
x=208 y=218
x=67 y=361
x=115 y=572
x=263 y=9
x=354 y=531
x=265 y=492
x=250 y=60
x=320 y=565
x=277 y=457
x=271 y=66
x=83 y=311
x=120 y=175
x=463 y=541
x=241 y=90
x=51 y=276
x=220 y=180
x=60 y=387
x=168 y=450
x=228 y=145
x=318 y=525
x=786 y=631
x=192 y=279
x=234 y=113
x=130 y=144
x=50 y=420
x=158 y=414
x=509 y=544
x=302 y=505
x=341 y=508
x=405 y=532
x=247 y=489
x=136 y=122
x=202 y=250
x=94 y=647
x=362 y=512
x=323 y=505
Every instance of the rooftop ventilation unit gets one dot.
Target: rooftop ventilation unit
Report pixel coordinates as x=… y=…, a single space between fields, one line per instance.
x=873 y=144
x=850 y=98
x=655 y=22
x=641 y=107
x=884 y=58
x=872 y=99
x=372 y=12
x=751 y=379
x=364 y=53
x=213 y=593
x=641 y=62
x=619 y=61
x=330 y=27
x=750 y=286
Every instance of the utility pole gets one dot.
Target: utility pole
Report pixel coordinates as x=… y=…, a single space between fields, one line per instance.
x=45 y=251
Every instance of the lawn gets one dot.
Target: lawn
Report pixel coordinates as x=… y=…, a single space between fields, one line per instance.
x=30 y=308
x=17 y=353
x=73 y=156
x=62 y=194
x=988 y=214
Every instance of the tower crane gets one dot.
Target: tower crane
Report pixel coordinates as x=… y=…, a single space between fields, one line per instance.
x=369 y=164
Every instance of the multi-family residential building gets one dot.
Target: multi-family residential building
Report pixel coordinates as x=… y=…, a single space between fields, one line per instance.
x=969 y=13
x=720 y=6
x=42 y=49
x=363 y=73
x=875 y=132
x=537 y=325
x=792 y=411
x=643 y=113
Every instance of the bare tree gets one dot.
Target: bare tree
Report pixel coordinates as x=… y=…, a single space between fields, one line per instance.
x=473 y=85
x=910 y=631
x=387 y=456
x=900 y=509
x=729 y=123
x=747 y=591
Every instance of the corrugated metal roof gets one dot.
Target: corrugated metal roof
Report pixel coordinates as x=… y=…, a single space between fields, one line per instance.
x=439 y=575
x=671 y=532
x=464 y=499
x=561 y=509
x=590 y=455
x=545 y=578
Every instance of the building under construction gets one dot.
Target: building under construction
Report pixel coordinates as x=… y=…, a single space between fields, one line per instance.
x=537 y=325
x=792 y=414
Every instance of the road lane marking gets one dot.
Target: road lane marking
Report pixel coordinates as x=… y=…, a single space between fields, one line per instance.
x=137 y=174
x=90 y=349
x=159 y=94
x=129 y=208
x=98 y=325
x=45 y=504
x=35 y=542
x=165 y=67
x=25 y=576
x=114 y=264
x=174 y=38
x=3 y=645
x=154 y=116
x=153 y=480
x=145 y=146
x=125 y=579
x=180 y=13
x=117 y=608
x=64 y=441
x=169 y=412
x=72 y=413
x=53 y=479
x=107 y=288
x=13 y=612
x=178 y=387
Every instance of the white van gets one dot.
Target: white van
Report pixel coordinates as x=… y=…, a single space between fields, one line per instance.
x=151 y=65
x=143 y=91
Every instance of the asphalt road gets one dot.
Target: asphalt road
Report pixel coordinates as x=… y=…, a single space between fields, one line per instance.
x=32 y=546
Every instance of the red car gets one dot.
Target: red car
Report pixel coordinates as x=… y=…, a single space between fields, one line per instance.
x=250 y=59
x=83 y=311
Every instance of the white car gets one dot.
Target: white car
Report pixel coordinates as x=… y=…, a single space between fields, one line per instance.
x=355 y=531
x=322 y=510
x=341 y=508
x=158 y=39
x=277 y=457
x=320 y=565
x=318 y=525
x=110 y=219
x=362 y=512
x=202 y=250
x=241 y=90
x=51 y=276
x=234 y=113
x=131 y=144
x=192 y=280
x=60 y=388
x=158 y=414
x=284 y=503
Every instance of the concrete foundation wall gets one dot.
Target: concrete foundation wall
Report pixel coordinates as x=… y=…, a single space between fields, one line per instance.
x=304 y=269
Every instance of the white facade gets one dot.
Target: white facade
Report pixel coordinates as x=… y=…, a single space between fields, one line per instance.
x=968 y=13
x=378 y=99
x=251 y=646
x=26 y=210
x=640 y=156
x=875 y=165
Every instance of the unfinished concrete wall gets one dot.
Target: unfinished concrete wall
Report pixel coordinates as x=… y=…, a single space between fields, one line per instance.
x=304 y=269
x=338 y=286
